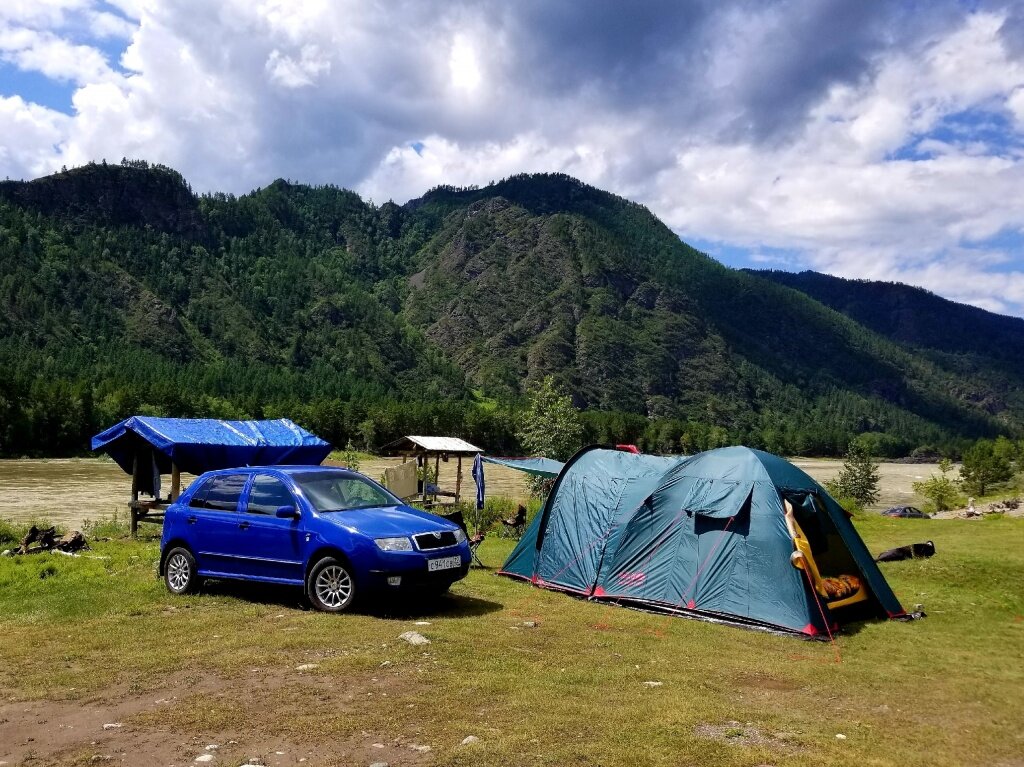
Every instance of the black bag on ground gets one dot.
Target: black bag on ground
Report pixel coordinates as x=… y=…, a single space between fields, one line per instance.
x=913 y=551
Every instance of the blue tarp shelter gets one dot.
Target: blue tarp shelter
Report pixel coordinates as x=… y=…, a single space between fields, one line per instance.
x=196 y=445
x=733 y=534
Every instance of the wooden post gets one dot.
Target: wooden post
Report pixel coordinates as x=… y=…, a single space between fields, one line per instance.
x=458 y=479
x=175 y=482
x=133 y=519
x=437 y=471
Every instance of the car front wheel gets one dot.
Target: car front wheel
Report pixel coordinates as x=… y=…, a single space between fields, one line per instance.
x=331 y=586
x=180 y=572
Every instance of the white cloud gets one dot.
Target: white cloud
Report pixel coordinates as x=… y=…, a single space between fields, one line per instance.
x=734 y=126
x=31 y=137
x=53 y=56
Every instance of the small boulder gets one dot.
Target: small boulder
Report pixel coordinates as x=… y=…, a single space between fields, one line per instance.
x=469 y=740
x=307 y=667
x=414 y=638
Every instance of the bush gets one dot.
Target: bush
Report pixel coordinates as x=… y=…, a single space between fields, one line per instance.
x=941 y=490
x=497 y=508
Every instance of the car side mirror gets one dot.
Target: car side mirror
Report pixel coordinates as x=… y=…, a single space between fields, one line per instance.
x=286 y=512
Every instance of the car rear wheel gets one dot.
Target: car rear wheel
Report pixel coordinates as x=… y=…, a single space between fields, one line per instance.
x=331 y=586
x=180 y=572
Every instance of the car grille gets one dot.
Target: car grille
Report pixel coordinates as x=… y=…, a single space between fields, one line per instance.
x=427 y=541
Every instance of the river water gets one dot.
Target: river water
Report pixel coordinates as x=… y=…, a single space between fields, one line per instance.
x=69 y=491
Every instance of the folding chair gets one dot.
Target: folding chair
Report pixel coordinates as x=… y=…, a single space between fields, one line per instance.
x=517 y=523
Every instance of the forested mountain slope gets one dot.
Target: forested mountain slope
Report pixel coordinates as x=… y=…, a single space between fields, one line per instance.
x=916 y=317
x=120 y=291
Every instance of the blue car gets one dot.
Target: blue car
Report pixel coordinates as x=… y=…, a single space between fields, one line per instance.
x=334 y=532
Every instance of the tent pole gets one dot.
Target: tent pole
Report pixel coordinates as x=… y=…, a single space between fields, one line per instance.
x=458 y=479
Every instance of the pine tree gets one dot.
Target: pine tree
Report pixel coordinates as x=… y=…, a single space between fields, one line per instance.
x=859 y=477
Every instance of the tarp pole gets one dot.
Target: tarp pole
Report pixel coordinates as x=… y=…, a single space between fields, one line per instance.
x=133 y=520
x=458 y=479
x=175 y=482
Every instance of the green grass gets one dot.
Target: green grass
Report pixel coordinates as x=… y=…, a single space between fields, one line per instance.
x=569 y=691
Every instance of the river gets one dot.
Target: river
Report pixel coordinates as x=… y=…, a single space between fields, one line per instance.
x=69 y=491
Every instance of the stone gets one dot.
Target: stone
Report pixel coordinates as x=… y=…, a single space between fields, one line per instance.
x=203 y=758
x=307 y=667
x=113 y=726
x=421 y=749
x=414 y=638
x=379 y=764
x=653 y=684
x=530 y=624
x=422 y=623
x=212 y=747
x=469 y=740
x=840 y=736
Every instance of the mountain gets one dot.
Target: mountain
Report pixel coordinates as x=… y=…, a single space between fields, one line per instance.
x=917 y=318
x=121 y=290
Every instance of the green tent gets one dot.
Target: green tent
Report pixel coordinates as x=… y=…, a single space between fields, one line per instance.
x=732 y=534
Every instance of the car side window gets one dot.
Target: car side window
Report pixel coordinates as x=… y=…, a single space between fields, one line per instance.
x=198 y=499
x=268 y=494
x=225 y=492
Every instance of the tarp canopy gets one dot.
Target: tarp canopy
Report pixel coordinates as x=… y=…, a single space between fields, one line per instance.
x=540 y=467
x=196 y=445
x=707 y=535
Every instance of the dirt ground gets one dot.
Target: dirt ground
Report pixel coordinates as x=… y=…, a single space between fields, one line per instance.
x=121 y=725
x=897 y=479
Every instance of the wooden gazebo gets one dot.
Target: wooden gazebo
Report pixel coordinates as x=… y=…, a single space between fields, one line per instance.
x=437 y=449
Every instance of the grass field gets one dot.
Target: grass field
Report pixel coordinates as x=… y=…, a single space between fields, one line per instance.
x=97 y=640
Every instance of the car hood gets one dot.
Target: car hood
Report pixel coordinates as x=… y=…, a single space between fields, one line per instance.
x=389 y=521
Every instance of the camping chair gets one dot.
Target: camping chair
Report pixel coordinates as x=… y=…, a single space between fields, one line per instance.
x=837 y=591
x=474 y=540
x=517 y=523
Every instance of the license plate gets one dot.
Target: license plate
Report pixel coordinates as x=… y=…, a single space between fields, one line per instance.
x=444 y=563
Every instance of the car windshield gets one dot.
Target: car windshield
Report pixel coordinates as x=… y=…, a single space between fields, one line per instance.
x=342 y=491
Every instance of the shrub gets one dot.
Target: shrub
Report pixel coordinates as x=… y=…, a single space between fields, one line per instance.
x=941 y=490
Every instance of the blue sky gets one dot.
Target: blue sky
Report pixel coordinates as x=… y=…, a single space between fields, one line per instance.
x=870 y=140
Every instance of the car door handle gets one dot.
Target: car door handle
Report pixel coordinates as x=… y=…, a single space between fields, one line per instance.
x=192 y=520
x=243 y=525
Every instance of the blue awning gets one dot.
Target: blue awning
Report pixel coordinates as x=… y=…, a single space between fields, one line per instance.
x=196 y=445
x=541 y=467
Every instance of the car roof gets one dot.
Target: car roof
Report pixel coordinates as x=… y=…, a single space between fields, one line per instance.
x=292 y=470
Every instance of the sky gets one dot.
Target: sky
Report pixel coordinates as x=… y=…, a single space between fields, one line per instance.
x=875 y=139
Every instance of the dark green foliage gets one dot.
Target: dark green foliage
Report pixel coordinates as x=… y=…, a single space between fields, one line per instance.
x=549 y=425
x=858 y=479
x=942 y=490
x=984 y=466
x=122 y=292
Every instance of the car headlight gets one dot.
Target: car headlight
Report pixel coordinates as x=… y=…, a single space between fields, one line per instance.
x=393 y=544
x=460 y=535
